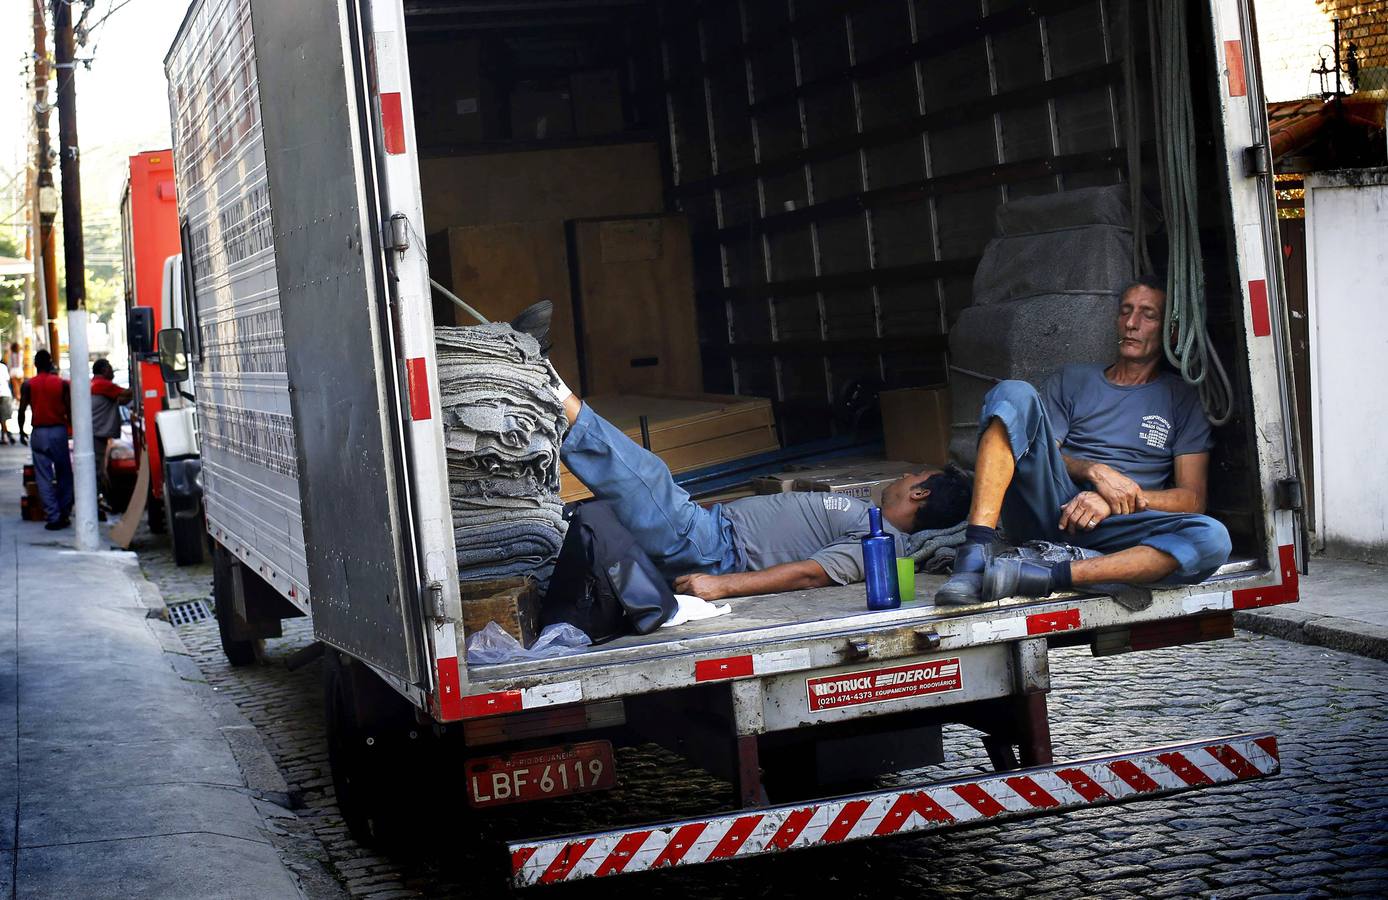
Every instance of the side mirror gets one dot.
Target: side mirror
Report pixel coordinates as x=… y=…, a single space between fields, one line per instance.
x=139 y=326
x=173 y=358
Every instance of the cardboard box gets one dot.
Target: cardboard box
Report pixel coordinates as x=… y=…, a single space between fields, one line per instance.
x=597 y=102
x=864 y=481
x=453 y=102
x=512 y=603
x=542 y=110
x=916 y=424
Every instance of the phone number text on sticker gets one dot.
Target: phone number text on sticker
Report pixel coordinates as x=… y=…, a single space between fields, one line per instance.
x=939 y=676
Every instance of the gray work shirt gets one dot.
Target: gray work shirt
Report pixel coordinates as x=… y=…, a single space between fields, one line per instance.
x=1138 y=429
x=827 y=528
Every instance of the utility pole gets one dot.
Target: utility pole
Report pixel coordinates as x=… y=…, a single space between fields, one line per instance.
x=46 y=196
x=83 y=455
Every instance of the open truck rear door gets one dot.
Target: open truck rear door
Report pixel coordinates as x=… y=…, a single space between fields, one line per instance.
x=337 y=333
x=1248 y=157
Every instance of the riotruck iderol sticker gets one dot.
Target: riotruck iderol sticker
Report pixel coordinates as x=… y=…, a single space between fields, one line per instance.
x=938 y=676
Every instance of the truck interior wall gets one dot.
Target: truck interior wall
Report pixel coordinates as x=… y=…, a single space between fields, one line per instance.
x=840 y=164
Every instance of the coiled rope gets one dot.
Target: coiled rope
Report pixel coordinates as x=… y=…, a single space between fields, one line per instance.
x=1188 y=346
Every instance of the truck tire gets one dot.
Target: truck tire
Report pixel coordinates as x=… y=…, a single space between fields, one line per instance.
x=238 y=652
x=377 y=753
x=186 y=533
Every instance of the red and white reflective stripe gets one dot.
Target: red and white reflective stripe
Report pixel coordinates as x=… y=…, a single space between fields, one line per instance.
x=1287 y=590
x=1133 y=776
x=385 y=44
x=498 y=702
x=417 y=384
x=751 y=664
x=1068 y=619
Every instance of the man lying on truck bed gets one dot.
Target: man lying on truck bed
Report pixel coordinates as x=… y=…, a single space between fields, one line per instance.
x=1113 y=459
x=755 y=545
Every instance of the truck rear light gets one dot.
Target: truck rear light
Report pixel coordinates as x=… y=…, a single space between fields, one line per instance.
x=542 y=722
x=1167 y=633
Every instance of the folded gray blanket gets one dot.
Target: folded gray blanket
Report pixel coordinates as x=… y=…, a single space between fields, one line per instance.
x=502 y=431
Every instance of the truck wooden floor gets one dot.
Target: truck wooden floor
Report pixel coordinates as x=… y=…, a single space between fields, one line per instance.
x=818 y=612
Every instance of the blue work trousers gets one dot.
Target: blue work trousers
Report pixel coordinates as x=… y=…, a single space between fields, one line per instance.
x=52 y=470
x=679 y=535
x=1041 y=486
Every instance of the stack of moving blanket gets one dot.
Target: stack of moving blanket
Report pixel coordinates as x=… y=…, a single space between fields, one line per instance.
x=502 y=430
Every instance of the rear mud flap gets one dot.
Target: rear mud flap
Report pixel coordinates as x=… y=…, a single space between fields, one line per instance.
x=1024 y=793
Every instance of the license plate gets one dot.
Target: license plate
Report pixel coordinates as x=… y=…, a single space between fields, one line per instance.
x=540 y=774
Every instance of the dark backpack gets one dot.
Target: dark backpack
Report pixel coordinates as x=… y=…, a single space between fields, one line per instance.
x=603 y=583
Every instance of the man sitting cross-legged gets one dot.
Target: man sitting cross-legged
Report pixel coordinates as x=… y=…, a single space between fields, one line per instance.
x=1110 y=458
x=755 y=545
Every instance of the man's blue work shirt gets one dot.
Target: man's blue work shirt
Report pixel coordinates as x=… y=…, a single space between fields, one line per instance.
x=1138 y=429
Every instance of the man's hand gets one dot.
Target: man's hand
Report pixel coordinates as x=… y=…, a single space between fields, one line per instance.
x=1121 y=493
x=705 y=587
x=1086 y=510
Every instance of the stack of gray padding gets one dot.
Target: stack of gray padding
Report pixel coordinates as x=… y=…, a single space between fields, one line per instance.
x=1045 y=295
x=502 y=427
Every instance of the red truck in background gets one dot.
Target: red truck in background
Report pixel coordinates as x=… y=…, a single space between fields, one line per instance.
x=163 y=427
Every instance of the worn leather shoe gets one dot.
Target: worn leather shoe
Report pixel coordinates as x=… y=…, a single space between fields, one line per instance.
x=1009 y=577
x=965 y=585
x=534 y=321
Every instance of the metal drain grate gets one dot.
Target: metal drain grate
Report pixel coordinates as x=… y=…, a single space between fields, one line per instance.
x=189 y=611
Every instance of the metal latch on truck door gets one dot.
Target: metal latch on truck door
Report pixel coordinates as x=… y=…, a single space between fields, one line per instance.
x=1288 y=494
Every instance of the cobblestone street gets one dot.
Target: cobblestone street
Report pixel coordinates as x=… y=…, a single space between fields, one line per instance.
x=1320 y=828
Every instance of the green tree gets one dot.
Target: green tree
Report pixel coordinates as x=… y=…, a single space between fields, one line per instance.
x=11 y=292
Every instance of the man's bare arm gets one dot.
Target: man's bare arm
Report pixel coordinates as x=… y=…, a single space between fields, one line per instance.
x=1188 y=496
x=1121 y=493
x=23 y=405
x=794 y=576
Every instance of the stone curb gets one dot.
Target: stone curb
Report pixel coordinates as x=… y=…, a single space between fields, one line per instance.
x=264 y=781
x=1335 y=632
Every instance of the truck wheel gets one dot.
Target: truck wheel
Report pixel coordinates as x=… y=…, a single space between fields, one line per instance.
x=238 y=652
x=185 y=532
x=377 y=752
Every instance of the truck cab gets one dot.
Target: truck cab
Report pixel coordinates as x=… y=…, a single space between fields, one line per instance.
x=162 y=429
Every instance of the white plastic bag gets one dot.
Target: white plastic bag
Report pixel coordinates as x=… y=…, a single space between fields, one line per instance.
x=494 y=645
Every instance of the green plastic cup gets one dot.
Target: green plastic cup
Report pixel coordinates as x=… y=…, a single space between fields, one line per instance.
x=906 y=579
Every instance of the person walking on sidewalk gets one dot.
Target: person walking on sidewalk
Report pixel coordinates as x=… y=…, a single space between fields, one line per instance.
x=1112 y=459
x=107 y=399
x=50 y=397
x=6 y=406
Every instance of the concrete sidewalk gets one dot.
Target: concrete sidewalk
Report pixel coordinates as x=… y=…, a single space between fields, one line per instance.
x=1344 y=606
x=120 y=778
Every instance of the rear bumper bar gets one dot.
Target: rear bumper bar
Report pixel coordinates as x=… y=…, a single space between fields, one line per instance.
x=1121 y=778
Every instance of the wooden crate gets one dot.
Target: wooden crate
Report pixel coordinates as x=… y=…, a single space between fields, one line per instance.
x=512 y=603
x=502 y=269
x=634 y=298
x=687 y=431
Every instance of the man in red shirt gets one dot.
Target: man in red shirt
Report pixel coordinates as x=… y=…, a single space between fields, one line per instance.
x=50 y=398
x=107 y=399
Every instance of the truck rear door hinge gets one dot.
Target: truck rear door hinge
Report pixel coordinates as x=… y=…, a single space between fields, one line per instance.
x=1289 y=494
x=434 y=600
x=397 y=237
x=1256 y=160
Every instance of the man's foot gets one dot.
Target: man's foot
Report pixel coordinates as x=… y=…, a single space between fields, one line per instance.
x=1010 y=577
x=55 y=526
x=965 y=586
x=534 y=321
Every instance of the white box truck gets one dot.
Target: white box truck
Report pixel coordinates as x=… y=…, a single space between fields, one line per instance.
x=839 y=165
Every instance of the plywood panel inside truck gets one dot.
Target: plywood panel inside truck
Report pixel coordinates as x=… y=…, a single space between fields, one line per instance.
x=502 y=269
x=541 y=185
x=635 y=303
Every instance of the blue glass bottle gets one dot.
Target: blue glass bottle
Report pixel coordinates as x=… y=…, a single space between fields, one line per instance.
x=879 y=565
